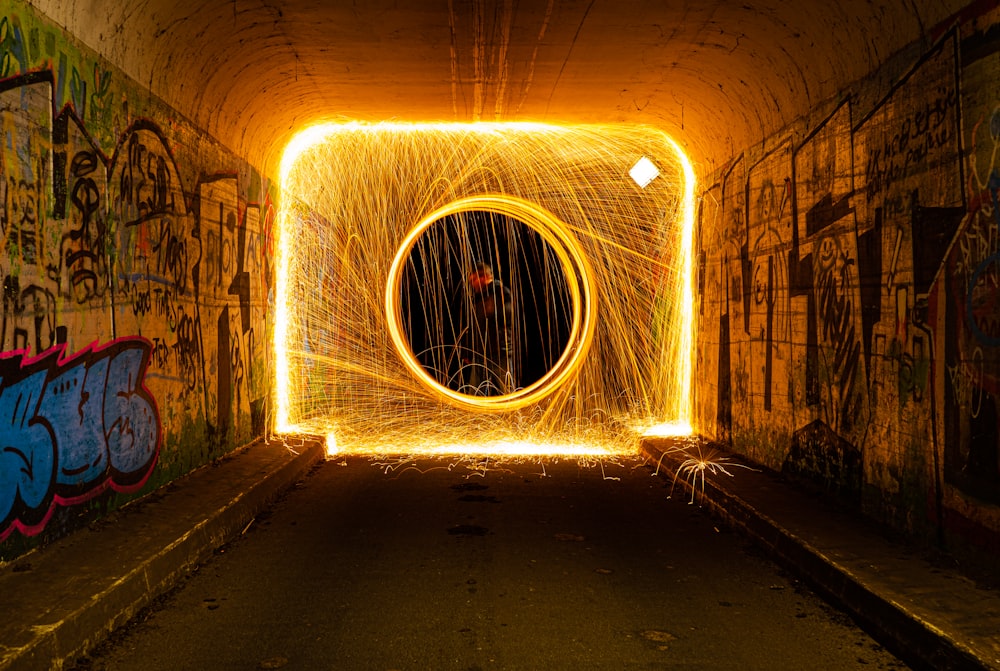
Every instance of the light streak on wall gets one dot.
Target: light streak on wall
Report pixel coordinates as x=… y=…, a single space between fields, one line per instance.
x=684 y=352
x=364 y=205
x=299 y=144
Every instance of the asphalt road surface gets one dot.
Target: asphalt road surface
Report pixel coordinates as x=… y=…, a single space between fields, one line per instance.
x=436 y=566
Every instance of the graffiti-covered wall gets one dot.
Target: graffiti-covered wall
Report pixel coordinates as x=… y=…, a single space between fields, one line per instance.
x=135 y=269
x=849 y=294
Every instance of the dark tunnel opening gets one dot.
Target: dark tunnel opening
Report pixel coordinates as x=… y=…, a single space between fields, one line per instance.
x=440 y=306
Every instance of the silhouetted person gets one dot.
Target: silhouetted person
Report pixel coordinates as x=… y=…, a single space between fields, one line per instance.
x=486 y=340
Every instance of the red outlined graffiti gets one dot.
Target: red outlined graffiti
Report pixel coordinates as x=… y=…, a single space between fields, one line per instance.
x=73 y=427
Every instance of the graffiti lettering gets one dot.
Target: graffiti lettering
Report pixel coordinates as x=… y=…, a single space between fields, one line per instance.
x=72 y=428
x=28 y=311
x=268 y=243
x=145 y=185
x=141 y=301
x=982 y=304
x=26 y=472
x=78 y=91
x=976 y=244
x=187 y=350
x=171 y=256
x=837 y=321
x=966 y=380
x=14 y=58
x=912 y=372
x=160 y=354
x=99 y=99
x=920 y=133
x=83 y=246
x=163 y=305
x=22 y=234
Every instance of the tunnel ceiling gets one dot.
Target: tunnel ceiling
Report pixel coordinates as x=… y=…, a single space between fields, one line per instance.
x=718 y=75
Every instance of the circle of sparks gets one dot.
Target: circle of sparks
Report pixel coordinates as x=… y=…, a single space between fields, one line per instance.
x=350 y=194
x=581 y=285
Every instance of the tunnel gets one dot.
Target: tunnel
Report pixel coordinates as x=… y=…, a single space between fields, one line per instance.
x=219 y=218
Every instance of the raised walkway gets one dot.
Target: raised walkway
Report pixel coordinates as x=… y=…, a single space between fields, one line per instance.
x=929 y=616
x=60 y=601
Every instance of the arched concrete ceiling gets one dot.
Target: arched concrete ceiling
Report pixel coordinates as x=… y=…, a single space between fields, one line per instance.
x=718 y=75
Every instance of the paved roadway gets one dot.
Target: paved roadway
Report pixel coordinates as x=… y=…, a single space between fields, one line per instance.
x=439 y=567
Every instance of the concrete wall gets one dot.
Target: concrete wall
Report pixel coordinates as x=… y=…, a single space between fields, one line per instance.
x=135 y=268
x=847 y=284
x=848 y=287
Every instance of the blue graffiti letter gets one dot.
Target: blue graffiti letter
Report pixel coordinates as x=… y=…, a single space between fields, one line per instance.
x=72 y=406
x=130 y=417
x=26 y=451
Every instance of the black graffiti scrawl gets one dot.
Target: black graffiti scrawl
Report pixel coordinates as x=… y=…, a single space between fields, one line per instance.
x=769 y=224
x=130 y=314
x=824 y=254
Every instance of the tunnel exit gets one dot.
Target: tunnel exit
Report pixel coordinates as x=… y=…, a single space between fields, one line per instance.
x=585 y=233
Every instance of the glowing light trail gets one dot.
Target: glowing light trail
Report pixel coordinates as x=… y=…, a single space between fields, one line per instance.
x=685 y=344
x=574 y=265
x=362 y=207
x=666 y=429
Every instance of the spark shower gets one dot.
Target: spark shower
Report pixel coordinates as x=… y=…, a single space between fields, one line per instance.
x=378 y=225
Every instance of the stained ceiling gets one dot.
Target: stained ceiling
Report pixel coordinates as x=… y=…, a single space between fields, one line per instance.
x=718 y=75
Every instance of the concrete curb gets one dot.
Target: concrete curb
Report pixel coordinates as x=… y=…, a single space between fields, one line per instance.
x=919 y=642
x=73 y=622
